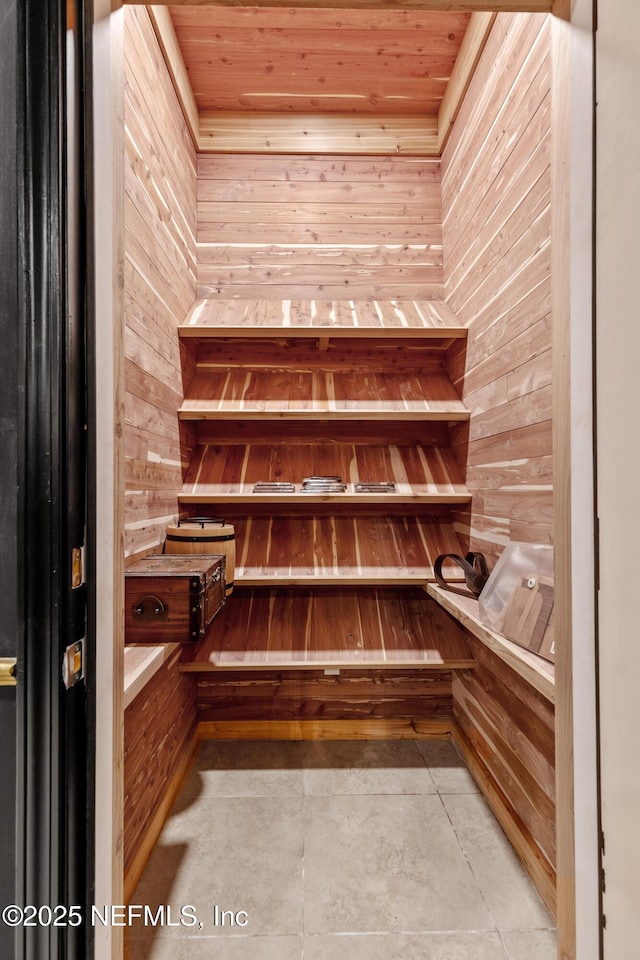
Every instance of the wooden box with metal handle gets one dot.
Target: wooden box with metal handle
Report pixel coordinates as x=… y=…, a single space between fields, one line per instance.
x=173 y=599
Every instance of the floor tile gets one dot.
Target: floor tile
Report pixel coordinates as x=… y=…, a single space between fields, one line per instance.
x=231 y=948
x=386 y=864
x=531 y=944
x=425 y=946
x=242 y=853
x=252 y=768
x=512 y=899
x=365 y=766
x=446 y=766
x=370 y=859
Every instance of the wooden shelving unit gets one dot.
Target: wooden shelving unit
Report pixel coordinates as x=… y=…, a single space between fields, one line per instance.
x=431 y=319
x=340 y=549
x=283 y=390
x=227 y=473
x=539 y=673
x=312 y=629
x=306 y=394
x=323 y=404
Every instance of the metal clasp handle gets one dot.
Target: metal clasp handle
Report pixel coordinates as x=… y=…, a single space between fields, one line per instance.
x=150 y=608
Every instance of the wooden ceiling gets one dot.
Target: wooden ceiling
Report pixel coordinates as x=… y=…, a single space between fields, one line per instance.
x=382 y=62
x=288 y=79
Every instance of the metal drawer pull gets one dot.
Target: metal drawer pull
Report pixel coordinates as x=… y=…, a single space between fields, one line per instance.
x=150 y=608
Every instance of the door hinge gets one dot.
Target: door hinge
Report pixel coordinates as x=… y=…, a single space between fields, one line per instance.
x=8 y=667
x=73 y=664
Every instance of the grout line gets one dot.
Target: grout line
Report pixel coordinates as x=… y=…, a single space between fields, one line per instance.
x=304 y=763
x=464 y=854
x=504 y=946
x=454 y=932
x=436 y=792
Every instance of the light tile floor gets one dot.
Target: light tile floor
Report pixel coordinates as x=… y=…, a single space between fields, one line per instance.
x=337 y=850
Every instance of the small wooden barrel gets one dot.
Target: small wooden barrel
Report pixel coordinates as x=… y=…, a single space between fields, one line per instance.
x=205 y=535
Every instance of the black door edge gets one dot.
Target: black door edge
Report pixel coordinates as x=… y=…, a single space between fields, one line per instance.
x=54 y=823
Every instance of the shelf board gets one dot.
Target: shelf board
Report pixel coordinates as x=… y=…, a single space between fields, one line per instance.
x=432 y=319
x=264 y=394
x=308 y=551
x=141 y=662
x=349 y=497
x=348 y=577
x=226 y=474
x=329 y=628
x=211 y=410
x=532 y=668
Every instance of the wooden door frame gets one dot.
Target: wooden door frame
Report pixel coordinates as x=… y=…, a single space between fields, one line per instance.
x=572 y=166
x=579 y=926
x=618 y=459
x=108 y=145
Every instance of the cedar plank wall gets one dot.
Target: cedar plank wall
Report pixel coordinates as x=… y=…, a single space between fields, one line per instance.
x=410 y=695
x=496 y=237
x=506 y=731
x=159 y=285
x=319 y=226
x=159 y=727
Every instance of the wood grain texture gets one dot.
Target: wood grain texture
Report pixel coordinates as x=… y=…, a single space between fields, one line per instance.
x=428 y=319
x=344 y=628
x=290 y=695
x=227 y=474
x=159 y=728
x=159 y=284
x=106 y=354
x=340 y=549
x=385 y=728
x=538 y=673
x=170 y=46
x=330 y=133
x=507 y=728
x=320 y=169
x=329 y=432
x=307 y=394
x=517 y=832
x=393 y=66
x=534 y=6
x=270 y=354
x=150 y=838
x=565 y=251
x=316 y=228
x=496 y=189
x=469 y=53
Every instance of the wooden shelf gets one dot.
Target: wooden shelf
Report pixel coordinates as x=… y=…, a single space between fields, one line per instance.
x=297 y=394
x=360 y=550
x=329 y=628
x=429 y=319
x=226 y=474
x=532 y=668
x=141 y=662
x=371 y=404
